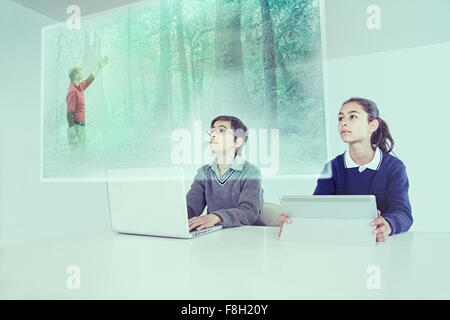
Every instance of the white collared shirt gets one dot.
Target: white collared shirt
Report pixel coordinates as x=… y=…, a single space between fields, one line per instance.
x=373 y=165
x=236 y=164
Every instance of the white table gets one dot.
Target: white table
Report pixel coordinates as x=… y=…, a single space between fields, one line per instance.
x=235 y=263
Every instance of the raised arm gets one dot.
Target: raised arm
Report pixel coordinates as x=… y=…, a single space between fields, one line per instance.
x=94 y=74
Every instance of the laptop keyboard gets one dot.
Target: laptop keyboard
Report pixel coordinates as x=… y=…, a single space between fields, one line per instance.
x=196 y=232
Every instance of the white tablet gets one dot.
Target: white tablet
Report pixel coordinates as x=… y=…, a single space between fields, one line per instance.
x=330 y=219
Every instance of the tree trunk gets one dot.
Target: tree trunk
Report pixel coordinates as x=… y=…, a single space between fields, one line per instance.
x=194 y=113
x=230 y=93
x=270 y=76
x=163 y=111
x=184 y=80
x=57 y=116
x=143 y=83
x=102 y=87
x=289 y=83
x=130 y=105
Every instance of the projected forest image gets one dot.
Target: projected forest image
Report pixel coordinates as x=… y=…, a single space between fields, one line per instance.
x=173 y=66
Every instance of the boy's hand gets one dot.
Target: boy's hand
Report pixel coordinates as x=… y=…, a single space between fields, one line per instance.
x=283 y=218
x=383 y=229
x=203 y=222
x=103 y=62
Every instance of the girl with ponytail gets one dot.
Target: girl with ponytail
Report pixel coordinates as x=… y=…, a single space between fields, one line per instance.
x=368 y=167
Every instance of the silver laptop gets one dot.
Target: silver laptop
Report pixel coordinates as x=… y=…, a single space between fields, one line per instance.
x=330 y=219
x=149 y=201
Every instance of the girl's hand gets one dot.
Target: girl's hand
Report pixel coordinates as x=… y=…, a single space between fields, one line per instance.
x=383 y=230
x=283 y=218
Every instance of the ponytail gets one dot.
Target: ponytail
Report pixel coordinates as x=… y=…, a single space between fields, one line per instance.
x=381 y=138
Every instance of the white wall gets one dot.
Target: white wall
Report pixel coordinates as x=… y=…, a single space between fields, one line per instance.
x=29 y=208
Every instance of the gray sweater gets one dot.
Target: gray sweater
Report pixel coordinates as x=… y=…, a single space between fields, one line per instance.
x=236 y=197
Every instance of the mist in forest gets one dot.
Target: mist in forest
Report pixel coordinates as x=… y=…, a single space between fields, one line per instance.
x=174 y=66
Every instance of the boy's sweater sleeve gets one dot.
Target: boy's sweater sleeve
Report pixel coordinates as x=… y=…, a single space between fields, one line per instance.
x=398 y=213
x=326 y=184
x=195 y=198
x=249 y=205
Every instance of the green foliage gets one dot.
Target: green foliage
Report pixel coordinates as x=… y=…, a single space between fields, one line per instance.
x=126 y=123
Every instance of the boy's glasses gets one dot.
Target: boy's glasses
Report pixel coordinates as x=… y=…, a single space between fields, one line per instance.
x=218 y=131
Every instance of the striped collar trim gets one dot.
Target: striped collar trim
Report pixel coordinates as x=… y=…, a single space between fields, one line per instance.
x=236 y=165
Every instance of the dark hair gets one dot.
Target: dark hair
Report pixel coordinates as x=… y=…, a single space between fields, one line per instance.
x=73 y=69
x=72 y=74
x=381 y=138
x=239 y=129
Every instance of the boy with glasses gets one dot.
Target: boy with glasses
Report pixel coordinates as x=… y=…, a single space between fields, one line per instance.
x=229 y=187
